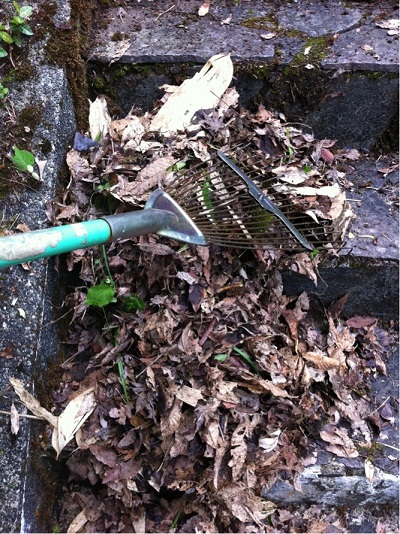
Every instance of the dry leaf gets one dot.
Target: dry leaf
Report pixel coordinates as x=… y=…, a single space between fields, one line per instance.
x=31 y=403
x=78 y=523
x=338 y=441
x=189 y=395
x=268 y=36
x=369 y=470
x=268 y=444
x=320 y=361
x=203 y=91
x=14 y=420
x=99 y=118
x=203 y=9
x=64 y=426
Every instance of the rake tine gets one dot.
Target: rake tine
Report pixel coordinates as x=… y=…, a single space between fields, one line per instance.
x=264 y=201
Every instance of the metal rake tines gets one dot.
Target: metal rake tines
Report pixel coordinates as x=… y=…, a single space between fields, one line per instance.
x=227 y=209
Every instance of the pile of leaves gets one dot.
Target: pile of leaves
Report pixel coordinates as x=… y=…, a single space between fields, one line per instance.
x=209 y=382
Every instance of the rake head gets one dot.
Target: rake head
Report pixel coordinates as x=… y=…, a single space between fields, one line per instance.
x=233 y=201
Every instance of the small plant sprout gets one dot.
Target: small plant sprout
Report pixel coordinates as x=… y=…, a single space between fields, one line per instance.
x=3 y=91
x=123 y=380
x=243 y=354
x=24 y=161
x=104 y=293
x=12 y=31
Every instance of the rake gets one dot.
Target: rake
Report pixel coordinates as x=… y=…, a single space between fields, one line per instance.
x=220 y=202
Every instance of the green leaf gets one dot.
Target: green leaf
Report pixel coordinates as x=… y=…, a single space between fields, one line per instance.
x=3 y=91
x=3 y=52
x=16 y=21
x=100 y=295
x=25 y=12
x=25 y=29
x=17 y=39
x=134 y=303
x=6 y=37
x=22 y=159
x=123 y=381
x=247 y=358
x=220 y=357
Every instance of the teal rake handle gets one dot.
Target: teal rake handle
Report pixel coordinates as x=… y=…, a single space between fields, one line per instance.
x=20 y=248
x=265 y=202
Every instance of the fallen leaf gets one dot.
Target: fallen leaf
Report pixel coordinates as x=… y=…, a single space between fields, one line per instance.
x=320 y=361
x=268 y=444
x=369 y=470
x=78 y=523
x=99 y=118
x=71 y=419
x=361 y=322
x=203 y=9
x=267 y=36
x=14 y=420
x=203 y=91
x=189 y=395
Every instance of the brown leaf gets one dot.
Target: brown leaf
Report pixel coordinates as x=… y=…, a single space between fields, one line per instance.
x=158 y=249
x=189 y=395
x=361 y=322
x=105 y=455
x=170 y=420
x=339 y=442
x=320 y=361
x=196 y=295
x=336 y=308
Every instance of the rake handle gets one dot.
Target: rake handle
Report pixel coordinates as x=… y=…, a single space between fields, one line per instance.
x=29 y=246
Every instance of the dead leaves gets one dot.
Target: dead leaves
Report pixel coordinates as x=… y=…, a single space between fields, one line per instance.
x=200 y=422
x=69 y=422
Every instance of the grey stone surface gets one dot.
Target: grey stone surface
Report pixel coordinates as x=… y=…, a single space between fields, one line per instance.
x=358 y=108
x=334 y=487
x=371 y=286
x=28 y=337
x=315 y=18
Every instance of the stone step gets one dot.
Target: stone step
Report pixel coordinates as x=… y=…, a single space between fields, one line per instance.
x=328 y=65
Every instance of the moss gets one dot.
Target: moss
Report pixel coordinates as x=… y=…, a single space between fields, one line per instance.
x=30 y=117
x=260 y=23
x=66 y=48
x=25 y=71
x=45 y=146
x=389 y=140
x=317 y=48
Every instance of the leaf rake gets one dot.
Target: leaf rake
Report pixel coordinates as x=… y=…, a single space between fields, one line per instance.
x=228 y=201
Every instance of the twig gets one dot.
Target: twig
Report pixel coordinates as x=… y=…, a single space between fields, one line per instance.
x=379 y=407
x=150 y=364
x=163 y=13
x=24 y=415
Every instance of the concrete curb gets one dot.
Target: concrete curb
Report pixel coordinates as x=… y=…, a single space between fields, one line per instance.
x=27 y=336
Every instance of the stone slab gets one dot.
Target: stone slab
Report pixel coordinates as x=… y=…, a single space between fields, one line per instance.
x=28 y=335
x=156 y=33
